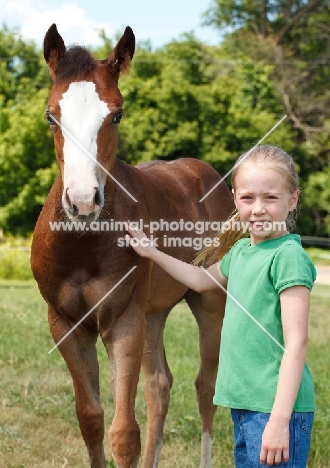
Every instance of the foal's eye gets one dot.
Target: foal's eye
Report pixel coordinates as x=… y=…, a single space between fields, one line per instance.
x=50 y=119
x=117 y=117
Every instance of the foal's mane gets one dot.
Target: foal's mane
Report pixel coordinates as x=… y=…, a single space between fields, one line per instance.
x=76 y=62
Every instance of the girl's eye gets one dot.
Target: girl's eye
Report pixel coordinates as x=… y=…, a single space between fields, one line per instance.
x=50 y=119
x=117 y=117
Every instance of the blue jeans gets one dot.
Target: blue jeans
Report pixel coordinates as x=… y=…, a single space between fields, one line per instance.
x=248 y=430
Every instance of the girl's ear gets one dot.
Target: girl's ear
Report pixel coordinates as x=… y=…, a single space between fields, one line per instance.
x=294 y=200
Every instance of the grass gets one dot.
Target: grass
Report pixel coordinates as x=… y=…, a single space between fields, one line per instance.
x=15 y=258
x=38 y=426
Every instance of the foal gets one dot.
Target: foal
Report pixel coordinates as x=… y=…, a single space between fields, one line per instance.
x=76 y=271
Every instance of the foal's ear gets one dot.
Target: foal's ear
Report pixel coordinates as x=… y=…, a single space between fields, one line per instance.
x=54 y=49
x=120 y=58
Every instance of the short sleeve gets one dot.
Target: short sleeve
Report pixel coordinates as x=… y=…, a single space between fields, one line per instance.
x=225 y=262
x=292 y=267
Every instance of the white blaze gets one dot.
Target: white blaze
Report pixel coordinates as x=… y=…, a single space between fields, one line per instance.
x=82 y=114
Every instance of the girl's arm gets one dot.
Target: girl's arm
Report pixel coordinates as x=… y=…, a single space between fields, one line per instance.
x=189 y=275
x=295 y=302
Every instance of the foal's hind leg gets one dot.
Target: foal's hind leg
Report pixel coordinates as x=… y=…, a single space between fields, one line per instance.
x=79 y=353
x=208 y=309
x=157 y=385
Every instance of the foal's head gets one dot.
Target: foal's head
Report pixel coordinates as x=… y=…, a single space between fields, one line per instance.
x=84 y=110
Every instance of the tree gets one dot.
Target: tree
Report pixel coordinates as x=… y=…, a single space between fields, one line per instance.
x=26 y=147
x=191 y=100
x=20 y=62
x=293 y=36
x=317 y=201
x=185 y=99
x=26 y=162
x=266 y=18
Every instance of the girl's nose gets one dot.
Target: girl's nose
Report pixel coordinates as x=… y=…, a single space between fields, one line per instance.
x=258 y=207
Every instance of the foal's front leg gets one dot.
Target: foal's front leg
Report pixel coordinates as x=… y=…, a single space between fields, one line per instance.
x=79 y=353
x=124 y=343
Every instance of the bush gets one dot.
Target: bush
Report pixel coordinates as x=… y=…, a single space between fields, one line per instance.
x=15 y=259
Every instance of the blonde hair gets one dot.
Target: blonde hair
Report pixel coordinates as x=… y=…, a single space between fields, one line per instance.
x=276 y=159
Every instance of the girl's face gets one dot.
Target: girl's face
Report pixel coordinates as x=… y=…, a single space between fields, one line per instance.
x=263 y=201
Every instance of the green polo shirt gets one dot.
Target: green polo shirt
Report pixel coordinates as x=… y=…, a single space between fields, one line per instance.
x=249 y=358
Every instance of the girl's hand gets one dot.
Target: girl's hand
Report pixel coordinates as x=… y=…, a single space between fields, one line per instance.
x=275 y=443
x=187 y=274
x=139 y=241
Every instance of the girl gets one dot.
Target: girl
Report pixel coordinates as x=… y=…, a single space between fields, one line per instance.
x=262 y=375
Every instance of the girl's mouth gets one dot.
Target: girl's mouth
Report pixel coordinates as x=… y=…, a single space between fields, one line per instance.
x=260 y=225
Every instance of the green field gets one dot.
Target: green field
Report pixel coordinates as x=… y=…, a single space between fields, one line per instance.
x=38 y=427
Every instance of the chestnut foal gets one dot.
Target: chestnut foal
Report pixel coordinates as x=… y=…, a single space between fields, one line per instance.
x=76 y=270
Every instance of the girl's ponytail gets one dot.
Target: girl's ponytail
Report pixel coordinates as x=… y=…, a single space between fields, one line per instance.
x=228 y=235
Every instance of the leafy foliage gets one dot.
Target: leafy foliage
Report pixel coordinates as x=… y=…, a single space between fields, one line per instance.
x=292 y=36
x=193 y=101
x=188 y=99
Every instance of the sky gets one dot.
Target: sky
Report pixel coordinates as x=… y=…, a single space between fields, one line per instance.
x=159 y=21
